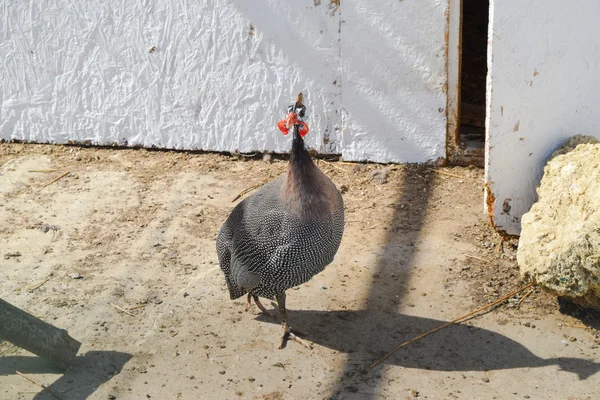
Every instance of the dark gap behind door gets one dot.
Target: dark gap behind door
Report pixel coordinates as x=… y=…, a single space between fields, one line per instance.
x=473 y=73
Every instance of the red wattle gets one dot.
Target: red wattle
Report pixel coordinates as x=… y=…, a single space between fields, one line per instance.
x=282 y=125
x=303 y=129
x=285 y=124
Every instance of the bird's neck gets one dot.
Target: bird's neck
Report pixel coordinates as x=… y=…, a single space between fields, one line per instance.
x=303 y=175
x=301 y=165
x=306 y=189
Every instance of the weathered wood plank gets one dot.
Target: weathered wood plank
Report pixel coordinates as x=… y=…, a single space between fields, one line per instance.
x=32 y=334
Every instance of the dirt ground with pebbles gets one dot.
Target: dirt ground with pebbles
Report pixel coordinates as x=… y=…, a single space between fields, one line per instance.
x=136 y=229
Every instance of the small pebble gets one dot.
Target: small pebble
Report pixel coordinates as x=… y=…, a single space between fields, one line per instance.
x=222 y=372
x=485 y=379
x=414 y=393
x=76 y=276
x=380 y=175
x=357 y=168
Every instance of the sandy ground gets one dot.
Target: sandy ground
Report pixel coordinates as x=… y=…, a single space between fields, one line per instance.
x=140 y=226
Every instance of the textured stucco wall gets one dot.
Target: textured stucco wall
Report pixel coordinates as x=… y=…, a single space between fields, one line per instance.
x=542 y=88
x=222 y=72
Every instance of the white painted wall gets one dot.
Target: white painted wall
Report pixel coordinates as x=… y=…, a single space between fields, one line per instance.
x=543 y=80
x=83 y=71
x=394 y=78
x=223 y=72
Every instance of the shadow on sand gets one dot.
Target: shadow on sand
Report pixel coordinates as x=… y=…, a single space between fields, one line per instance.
x=87 y=373
x=367 y=336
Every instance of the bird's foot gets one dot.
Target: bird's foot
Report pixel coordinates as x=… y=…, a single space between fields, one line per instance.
x=288 y=334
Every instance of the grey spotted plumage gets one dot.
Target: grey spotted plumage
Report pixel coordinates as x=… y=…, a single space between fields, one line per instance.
x=283 y=234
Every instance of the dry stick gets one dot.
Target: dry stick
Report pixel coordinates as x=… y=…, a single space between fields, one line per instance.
x=60 y=177
x=500 y=247
x=39 y=384
x=452 y=322
x=136 y=307
x=524 y=297
x=581 y=326
x=243 y=192
x=447 y=173
x=334 y=166
x=37 y=285
x=477 y=258
x=43 y=170
x=122 y=309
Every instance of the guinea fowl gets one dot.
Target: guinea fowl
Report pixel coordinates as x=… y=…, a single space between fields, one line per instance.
x=285 y=233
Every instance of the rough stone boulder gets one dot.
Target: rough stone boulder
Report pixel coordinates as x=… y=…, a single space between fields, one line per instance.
x=559 y=247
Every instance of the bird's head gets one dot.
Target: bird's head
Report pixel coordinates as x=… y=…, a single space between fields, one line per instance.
x=294 y=119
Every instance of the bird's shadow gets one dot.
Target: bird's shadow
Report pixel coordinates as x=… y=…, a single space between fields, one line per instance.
x=368 y=336
x=85 y=375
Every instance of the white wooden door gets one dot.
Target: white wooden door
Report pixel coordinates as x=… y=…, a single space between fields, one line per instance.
x=394 y=79
x=542 y=87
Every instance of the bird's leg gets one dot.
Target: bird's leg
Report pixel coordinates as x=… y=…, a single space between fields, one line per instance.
x=248 y=302
x=287 y=331
x=258 y=303
x=260 y=306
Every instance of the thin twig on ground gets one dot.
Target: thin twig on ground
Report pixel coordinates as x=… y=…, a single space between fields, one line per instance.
x=447 y=174
x=122 y=309
x=247 y=190
x=136 y=307
x=476 y=258
x=36 y=285
x=46 y=388
x=580 y=326
x=500 y=247
x=54 y=180
x=334 y=166
x=454 y=321
x=524 y=297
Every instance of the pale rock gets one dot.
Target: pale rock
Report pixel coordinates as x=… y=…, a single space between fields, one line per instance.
x=559 y=247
